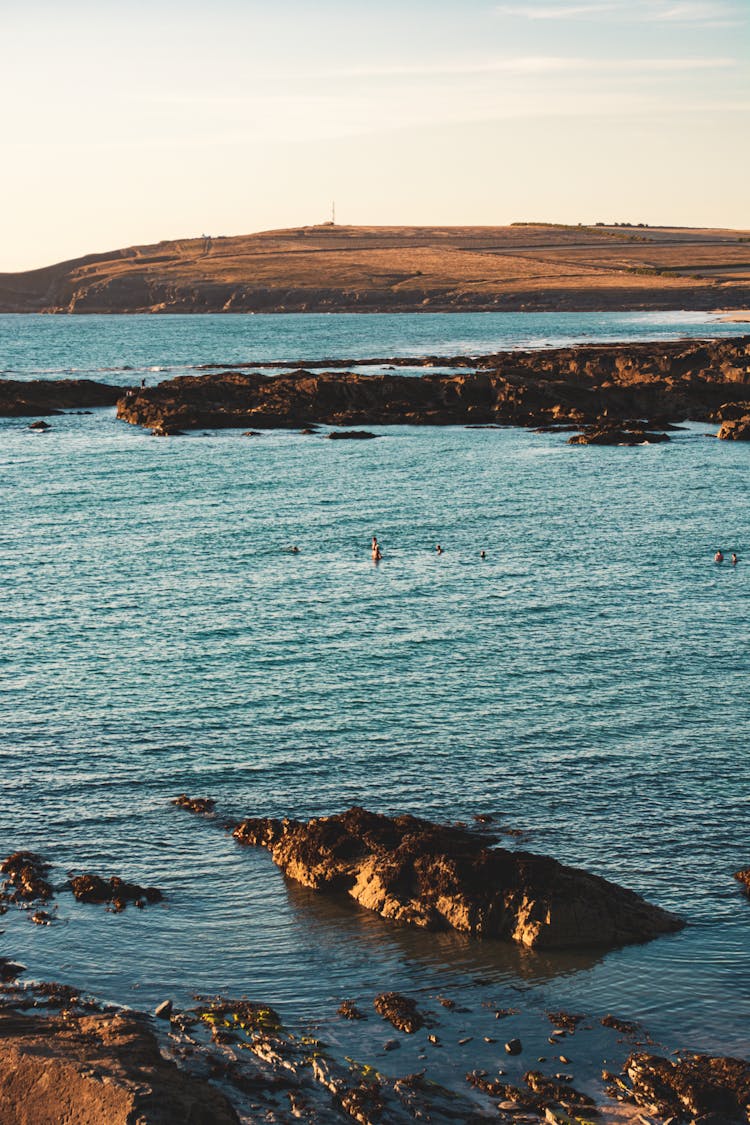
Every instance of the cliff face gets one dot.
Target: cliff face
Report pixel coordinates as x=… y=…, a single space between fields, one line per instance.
x=567 y=385
x=330 y=268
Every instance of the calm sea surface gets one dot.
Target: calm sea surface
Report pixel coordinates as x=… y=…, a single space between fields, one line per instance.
x=587 y=682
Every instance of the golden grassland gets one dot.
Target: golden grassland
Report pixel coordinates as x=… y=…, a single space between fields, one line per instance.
x=401 y=267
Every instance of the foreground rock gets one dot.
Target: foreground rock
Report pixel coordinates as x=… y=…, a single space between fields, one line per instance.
x=423 y=874
x=559 y=387
x=692 y=1087
x=19 y=399
x=98 y=1069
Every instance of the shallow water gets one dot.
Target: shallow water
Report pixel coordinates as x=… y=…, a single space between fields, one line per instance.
x=125 y=349
x=587 y=682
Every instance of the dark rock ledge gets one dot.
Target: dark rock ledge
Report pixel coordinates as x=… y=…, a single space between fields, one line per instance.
x=601 y=386
x=412 y=871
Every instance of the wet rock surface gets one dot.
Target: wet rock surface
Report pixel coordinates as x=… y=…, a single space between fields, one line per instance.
x=20 y=398
x=399 y=1010
x=412 y=871
x=616 y=433
x=200 y=805
x=25 y=878
x=691 y=1086
x=744 y=878
x=115 y=892
x=560 y=388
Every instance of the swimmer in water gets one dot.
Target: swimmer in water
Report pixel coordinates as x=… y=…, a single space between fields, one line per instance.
x=734 y=559
x=294 y=550
x=376 y=552
x=483 y=554
x=718 y=557
x=438 y=549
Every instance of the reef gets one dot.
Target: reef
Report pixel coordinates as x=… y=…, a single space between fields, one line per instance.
x=612 y=393
x=422 y=874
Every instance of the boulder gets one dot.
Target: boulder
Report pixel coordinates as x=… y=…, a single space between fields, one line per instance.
x=415 y=872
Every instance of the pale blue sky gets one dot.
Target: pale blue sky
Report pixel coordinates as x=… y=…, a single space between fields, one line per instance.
x=125 y=121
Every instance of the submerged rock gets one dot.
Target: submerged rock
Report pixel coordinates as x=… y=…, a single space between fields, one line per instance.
x=744 y=878
x=617 y=433
x=26 y=878
x=413 y=871
x=361 y=435
x=399 y=1010
x=114 y=891
x=201 y=805
x=691 y=1086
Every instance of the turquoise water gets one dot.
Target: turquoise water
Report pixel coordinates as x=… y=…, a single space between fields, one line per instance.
x=124 y=349
x=586 y=682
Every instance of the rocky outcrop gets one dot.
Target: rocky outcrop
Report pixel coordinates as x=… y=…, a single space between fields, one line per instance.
x=423 y=874
x=19 y=399
x=691 y=1087
x=614 y=433
x=737 y=429
x=605 y=385
x=97 y=1069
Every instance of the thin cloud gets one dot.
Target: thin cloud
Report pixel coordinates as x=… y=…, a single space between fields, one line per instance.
x=704 y=12
x=534 y=65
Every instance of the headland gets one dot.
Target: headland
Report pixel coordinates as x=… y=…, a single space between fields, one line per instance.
x=327 y=268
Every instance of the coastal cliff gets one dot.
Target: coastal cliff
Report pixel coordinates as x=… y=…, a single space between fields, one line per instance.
x=575 y=386
x=327 y=268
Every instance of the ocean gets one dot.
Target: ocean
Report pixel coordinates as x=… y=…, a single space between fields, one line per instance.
x=586 y=682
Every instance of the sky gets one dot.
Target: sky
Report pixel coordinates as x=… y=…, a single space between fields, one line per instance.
x=127 y=122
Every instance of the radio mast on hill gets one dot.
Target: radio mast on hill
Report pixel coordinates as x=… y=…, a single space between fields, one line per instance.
x=333 y=213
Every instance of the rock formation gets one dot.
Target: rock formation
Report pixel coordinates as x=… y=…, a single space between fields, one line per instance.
x=602 y=385
x=21 y=399
x=412 y=871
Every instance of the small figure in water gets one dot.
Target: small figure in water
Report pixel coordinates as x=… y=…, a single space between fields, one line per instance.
x=376 y=553
x=294 y=550
x=718 y=557
x=438 y=549
x=483 y=554
x=734 y=559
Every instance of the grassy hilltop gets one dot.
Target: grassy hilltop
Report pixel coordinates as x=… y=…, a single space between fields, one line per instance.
x=334 y=268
